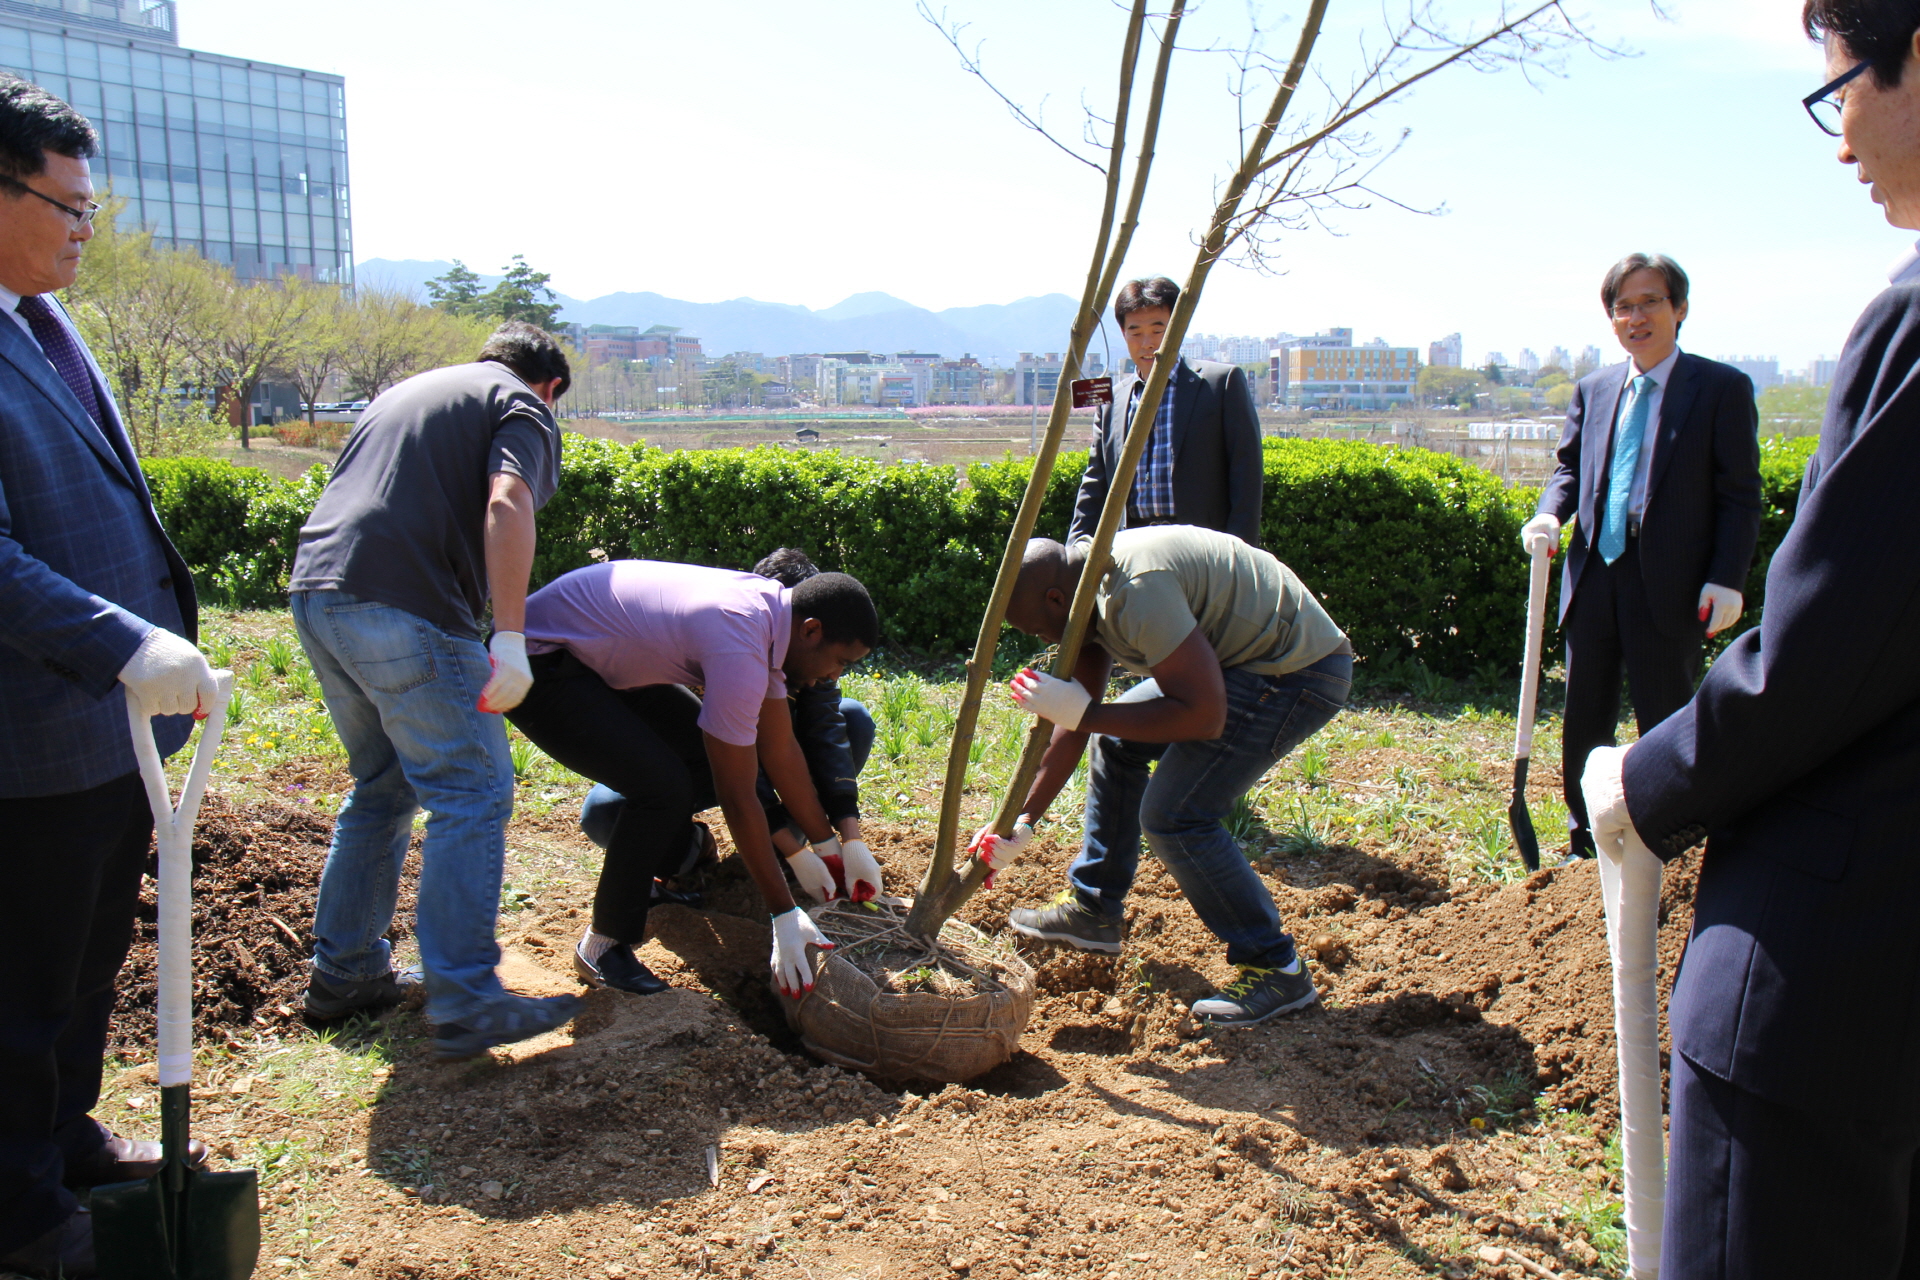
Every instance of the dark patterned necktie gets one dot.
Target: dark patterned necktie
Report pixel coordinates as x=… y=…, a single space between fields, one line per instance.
x=63 y=352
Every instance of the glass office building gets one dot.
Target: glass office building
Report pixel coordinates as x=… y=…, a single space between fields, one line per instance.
x=244 y=161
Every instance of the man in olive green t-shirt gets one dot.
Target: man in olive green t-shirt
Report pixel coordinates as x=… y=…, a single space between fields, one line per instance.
x=1245 y=665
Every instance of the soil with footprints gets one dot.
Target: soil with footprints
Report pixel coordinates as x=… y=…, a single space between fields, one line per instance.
x=687 y=1132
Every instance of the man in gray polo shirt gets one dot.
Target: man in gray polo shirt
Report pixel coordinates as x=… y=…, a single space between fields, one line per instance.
x=429 y=512
x=1245 y=666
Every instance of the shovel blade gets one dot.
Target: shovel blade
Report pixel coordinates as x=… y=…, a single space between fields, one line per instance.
x=1521 y=820
x=208 y=1230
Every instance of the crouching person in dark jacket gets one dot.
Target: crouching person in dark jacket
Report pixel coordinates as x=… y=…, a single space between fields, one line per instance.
x=836 y=736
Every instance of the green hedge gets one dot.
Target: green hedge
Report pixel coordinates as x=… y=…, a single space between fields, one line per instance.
x=1416 y=554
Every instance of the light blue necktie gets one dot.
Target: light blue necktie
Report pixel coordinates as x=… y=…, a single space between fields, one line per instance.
x=1626 y=461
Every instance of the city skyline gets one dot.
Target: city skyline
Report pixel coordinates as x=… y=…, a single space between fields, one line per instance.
x=952 y=204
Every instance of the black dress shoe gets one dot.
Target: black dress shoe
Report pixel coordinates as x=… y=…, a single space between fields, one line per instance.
x=64 y=1253
x=126 y=1160
x=690 y=898
x=619 y=969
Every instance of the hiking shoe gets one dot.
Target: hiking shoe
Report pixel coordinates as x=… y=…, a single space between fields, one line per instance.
x=329 y=998
x=1065 y=920
x=1258 y=994
x=515 y=1018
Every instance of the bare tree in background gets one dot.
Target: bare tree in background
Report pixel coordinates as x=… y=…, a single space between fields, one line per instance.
x=1298 y=162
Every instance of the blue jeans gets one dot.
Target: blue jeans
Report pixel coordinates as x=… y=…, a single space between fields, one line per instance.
x=1181 y=803
x=603 y=804
x=401 y=692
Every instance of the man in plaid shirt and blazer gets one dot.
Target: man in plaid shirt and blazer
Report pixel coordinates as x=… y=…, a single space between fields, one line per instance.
x=1202 y=465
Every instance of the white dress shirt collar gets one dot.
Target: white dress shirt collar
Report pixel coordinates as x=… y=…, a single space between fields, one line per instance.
x=1906 y=268
x=10 y=303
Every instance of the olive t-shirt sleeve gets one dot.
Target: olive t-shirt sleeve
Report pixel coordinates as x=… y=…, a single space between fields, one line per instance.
x=1149 y=615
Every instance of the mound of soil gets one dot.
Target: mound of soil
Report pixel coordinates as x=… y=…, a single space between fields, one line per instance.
x=686 y=1131
x=256 y=875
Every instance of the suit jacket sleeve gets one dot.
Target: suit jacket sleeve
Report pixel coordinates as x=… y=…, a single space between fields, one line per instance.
x=47 y=617
x=1736 y=483
x=1561 y=497
x=1094 y=484
x=822 y=731
x=1246 y=470
x=1832 y=658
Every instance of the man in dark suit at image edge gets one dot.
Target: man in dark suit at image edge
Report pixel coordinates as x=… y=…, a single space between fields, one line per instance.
x=1795 y=1127
x=94 y=604
x=1660 y=460
x=1203 y=464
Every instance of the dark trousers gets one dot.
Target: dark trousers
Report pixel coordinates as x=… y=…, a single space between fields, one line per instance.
x=72 y=870
x=644 y=743
x=1609 y=627
x=1759 y=1191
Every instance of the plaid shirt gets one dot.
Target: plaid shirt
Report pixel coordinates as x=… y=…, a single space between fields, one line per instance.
x=1152 y=496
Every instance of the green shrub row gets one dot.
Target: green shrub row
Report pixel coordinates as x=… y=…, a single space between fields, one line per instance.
x=1416 y=554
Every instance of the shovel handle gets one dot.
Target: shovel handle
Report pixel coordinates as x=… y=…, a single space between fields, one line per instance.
x=1536 y=641
x=173 y=840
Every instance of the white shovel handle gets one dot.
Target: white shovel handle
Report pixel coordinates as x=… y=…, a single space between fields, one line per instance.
x=173 y=840
x=1630 y=888
x=1536 y=641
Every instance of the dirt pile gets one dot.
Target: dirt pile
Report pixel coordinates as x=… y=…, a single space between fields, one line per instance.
x=256 y=875
x=685 y=1131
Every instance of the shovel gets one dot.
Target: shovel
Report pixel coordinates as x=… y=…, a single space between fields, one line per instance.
x=182 y=1223
x=1517 y=815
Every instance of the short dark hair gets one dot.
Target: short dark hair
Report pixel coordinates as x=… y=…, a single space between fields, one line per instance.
x=529 y=351
x=841 y=606
x=34 y=122
x=1138 y=295
x=789 y=566
x=1876 y=31
x=1669 y=271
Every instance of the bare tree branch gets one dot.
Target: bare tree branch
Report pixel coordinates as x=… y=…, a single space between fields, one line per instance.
x=971 y=63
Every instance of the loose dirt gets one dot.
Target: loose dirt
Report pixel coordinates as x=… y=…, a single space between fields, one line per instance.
x=683 y=1132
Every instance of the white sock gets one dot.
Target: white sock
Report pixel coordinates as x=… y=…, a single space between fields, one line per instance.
x=1293 y=968
x=594 y=945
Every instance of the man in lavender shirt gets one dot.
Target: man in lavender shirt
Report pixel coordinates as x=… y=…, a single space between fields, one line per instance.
x=613 y=647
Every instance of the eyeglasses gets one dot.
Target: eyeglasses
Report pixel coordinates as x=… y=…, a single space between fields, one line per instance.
x=1642 y=309
x=80 y=217
x=1824 y=107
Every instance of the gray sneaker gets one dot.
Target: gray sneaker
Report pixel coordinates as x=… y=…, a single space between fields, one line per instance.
x=1258 y=994
x=1065 y=920
x=329 y=998
x=515 y=1018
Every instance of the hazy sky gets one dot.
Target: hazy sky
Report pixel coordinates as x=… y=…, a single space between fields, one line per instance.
x=802 y=153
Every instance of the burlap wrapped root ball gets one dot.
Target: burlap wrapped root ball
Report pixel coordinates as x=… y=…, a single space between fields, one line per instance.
x=884 y=1005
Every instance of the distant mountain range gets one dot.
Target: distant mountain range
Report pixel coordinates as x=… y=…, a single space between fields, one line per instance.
x=995 y=333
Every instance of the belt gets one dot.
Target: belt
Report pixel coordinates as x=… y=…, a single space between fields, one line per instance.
x=1141 y=524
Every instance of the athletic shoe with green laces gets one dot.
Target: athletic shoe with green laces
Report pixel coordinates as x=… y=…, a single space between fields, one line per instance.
x=1065 y=920
x=1258 y=994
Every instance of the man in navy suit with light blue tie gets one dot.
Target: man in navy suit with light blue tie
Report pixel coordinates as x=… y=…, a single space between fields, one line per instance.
x=1795 y=1130
x=94 y=603
x=1660 y=462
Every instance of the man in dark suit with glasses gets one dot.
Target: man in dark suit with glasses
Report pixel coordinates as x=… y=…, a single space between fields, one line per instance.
x=1660 y=462
x=1795 y=1127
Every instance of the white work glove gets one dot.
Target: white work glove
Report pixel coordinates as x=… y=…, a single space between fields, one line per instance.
x=1603 y=784
x=168 y=676
x=793 y=933
x=1061 y=701
x=512 y=677
x=860 y=874
x=1544 y=527
x=811 y=871
x=1000 y=852
x=1720 y=607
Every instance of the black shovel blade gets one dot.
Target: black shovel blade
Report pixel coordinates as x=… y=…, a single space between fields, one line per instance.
x=1521 y=820
x=208 y=1229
